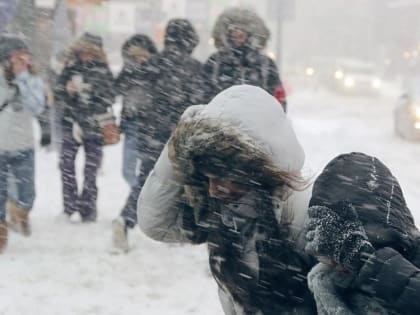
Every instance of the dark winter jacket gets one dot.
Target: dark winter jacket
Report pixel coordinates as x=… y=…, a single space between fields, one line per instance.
x=241 y=65
x=391 y=276
x=97 y=99
x=254 y=243
x=136 y=88
x=175 y=76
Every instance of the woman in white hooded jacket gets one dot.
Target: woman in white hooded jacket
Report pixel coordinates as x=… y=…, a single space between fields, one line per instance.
x=230 y=176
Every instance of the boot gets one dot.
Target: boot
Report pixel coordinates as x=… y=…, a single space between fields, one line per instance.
x=3 y=236
x=119 y=236
x=13 y=213
x=19 y=219
x=24 y=223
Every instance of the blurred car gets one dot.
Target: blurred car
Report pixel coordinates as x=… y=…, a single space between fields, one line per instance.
x=354 y=77
x=407 y=113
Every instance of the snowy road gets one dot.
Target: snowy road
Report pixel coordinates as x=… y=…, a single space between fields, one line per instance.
x=66 y=268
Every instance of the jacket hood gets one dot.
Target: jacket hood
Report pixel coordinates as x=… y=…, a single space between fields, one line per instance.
x=245 y=19
x=366 y=183
x=181 y=34
x=244 y=132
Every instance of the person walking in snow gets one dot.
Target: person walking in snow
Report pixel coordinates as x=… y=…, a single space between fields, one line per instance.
x=86 y=86
x=22 y=97
x=230 y=176
x=137 y=100
x=364 y=236
x=240 y=35
x=175 y=77
x=138 y=119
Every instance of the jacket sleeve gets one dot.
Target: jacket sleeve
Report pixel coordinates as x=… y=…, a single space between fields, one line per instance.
x=103 y=89
x=32 y=93
x=159 y=206
x=208 y=81
x=274 y=83
x=391 y=278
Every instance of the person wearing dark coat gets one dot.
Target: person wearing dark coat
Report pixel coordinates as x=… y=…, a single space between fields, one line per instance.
x=364 y=235
x=240 y=35
x=137 y=100
x=86 y=86
x=175 y=77
x=136 y=117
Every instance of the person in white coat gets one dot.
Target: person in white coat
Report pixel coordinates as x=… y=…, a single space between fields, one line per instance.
x=230 y=176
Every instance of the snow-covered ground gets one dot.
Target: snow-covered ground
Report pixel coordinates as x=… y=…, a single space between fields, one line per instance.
x=65 y=268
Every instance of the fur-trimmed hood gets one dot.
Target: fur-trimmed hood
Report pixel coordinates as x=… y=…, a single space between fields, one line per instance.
x=247 y=20
x=243 y=132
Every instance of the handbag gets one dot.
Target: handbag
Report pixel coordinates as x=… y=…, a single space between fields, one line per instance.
x=110 y=131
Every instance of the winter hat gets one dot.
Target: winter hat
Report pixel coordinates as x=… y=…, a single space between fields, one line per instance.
x=9 y=44
x=181 y=33
x=245 y=19
x=366 y=183
x=138 y=45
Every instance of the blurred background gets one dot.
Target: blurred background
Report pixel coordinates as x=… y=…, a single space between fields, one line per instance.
x=311 y=40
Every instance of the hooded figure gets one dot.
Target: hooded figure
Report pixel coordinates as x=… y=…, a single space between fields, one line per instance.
x=230 y=177
x=173 y=76
x=362 y=230
x=240 y=35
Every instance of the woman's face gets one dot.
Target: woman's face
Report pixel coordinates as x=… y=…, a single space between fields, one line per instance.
x=86 y=57
x=224 y=189
x=238 y=36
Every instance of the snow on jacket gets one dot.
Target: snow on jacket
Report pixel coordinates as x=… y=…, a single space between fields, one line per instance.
x=25 y=101
x=175 y=77
x=390 y=278
x=97 y=97
x=172 y=208
x=137 y=90
x=241 y=65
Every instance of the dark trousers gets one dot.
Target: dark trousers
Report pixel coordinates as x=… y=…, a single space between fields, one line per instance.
x=148 y=160
x=85 y=202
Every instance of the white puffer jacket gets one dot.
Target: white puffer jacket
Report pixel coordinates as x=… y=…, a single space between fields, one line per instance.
x=251 y=111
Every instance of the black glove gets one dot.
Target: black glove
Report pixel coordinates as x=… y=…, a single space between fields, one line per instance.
x=45 y=125
x=337 y=235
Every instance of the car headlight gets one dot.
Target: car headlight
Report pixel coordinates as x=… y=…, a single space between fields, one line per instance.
x=309 y=71
x=338 y=75
x=376 y=83
x=417 y=112
x=349 y=82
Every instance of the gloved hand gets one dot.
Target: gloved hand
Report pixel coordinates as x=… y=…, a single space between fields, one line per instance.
x=337 y=235
x=77 y=133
